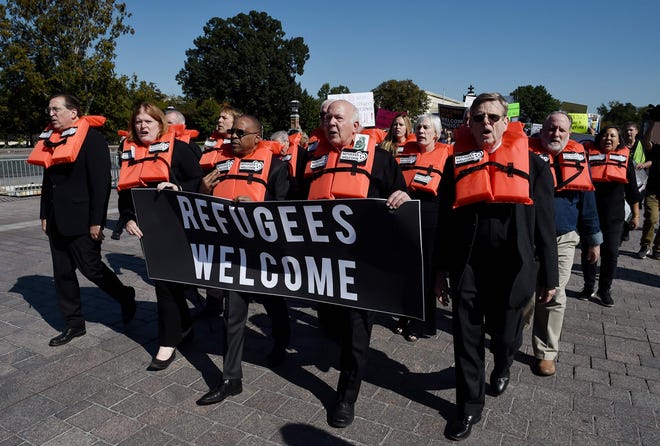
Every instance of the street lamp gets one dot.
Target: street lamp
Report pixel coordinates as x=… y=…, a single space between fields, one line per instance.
x=294 y=105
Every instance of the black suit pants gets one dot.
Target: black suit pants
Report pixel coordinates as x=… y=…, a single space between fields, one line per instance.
x=235 y=316
x=355 y=337
x=480 y=306
x=79 y=252
x=609 y=257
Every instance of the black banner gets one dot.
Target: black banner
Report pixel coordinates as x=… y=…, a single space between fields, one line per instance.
x=355 y=252
x=451 y=116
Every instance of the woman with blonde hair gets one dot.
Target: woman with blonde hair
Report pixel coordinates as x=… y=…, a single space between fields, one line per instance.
x=400 y=132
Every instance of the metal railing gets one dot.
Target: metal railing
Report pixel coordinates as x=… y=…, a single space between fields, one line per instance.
x=20 y=179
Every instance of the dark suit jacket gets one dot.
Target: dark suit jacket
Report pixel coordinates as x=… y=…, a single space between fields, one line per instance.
x=74 y=196
x=533 y=230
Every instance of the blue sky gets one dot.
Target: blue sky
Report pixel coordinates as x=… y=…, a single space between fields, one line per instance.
x=581 y=51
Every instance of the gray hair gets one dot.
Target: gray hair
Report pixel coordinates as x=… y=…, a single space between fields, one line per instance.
x=559 y=112
x=280 y=136
x=435 y=122
x=179 y=118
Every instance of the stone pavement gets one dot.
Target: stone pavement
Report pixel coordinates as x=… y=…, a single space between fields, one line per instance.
x=95 y=390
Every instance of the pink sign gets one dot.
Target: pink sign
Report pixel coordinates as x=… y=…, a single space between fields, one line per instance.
x=384 y=118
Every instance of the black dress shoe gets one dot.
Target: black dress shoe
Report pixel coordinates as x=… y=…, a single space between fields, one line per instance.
x=342 y=414
x=128 y=307
x=66 y=336
x=460 y=428
x=498 y=384
x=157 y=364
x=228 y=387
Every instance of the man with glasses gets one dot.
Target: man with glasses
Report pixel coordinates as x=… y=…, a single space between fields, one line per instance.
x=74 y=203
x=235 y=178
x=496 y=238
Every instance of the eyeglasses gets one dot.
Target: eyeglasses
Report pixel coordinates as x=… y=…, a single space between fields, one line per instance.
x=492 y=118
x=240 y=132
x=55 y=110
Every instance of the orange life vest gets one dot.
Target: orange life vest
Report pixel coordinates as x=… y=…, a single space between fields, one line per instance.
x=344 y=173
x=244 y=176
x=291 y=156
x=141 y=165
x=610 y=166
x=213 y=149
x=181 y=132
x=377 y=135
x=498 y=177
x=63 y=147
x=569 y=167
x=318 y=134
x=423 y=170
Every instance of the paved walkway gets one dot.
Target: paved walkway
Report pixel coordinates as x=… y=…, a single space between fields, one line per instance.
x=95 y=390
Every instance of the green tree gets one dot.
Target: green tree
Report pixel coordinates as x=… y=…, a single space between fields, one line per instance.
x=64 y=46
x=617 y=113
x=309 y=112
x=326 y=90
x=247 y=62
x=401 y=96
x=535 y=102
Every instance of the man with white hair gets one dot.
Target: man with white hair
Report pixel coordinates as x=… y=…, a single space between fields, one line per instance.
x=576 y=218
x=325 y=173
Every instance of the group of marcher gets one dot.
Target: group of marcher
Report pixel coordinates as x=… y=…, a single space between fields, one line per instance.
x=501 y=217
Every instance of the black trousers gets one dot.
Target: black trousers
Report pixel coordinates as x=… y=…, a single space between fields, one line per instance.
x=235 y=316
x=609 y=257
x=173 y=314
x=82 y=253
x=480 y=306
x=355 y=336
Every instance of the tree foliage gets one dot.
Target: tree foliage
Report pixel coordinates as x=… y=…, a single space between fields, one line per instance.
x=246 y=61
x=535 y=102
x=326 y=90
x=401 y=96
x=617 y=113
x=65 y=46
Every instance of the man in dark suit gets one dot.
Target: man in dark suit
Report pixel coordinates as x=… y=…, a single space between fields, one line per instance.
x=496 y=235
x=341 y=125
x=74 y=202
x=240 y=183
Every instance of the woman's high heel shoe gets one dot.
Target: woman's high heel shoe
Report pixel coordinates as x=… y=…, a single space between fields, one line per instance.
x=157 y=364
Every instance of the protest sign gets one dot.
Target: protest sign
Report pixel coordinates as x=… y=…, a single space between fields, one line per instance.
x=353 y=252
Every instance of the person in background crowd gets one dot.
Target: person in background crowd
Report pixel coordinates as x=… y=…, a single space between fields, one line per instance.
x=614 y=177
x=119 y=225
x=400 y=132
x=214 y=297
x=74 y=202
x=341 y=124
x=496 y=243
x=638 y=156
x=176 y=120
x=575 y=213
x=318 y=133
x=648 y=244
x=237 y=184
x=177 y=168
x=422 y=160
